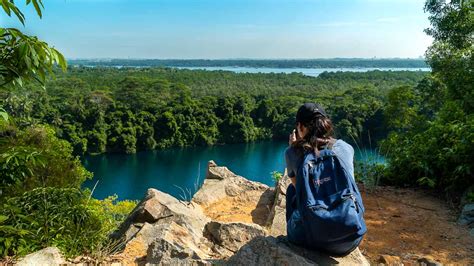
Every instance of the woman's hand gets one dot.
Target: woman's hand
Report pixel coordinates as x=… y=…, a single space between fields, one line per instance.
x=292 y=137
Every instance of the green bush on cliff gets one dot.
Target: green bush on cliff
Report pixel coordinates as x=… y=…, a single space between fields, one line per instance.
x=35 y=157
x=63 y=217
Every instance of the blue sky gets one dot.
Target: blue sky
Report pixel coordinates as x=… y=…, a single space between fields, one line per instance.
x=230 y=28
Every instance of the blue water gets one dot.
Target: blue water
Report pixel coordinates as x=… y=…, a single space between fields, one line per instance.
x=129 y=176
x=314 y=72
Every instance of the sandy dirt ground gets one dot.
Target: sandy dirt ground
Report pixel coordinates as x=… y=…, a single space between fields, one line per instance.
x=406 y=223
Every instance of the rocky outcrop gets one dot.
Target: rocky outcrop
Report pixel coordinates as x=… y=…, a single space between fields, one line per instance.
x=47 y=256
x=221 y=183
x=230 y=220
x=277 y=216
x=277 y=251
x=232 y=236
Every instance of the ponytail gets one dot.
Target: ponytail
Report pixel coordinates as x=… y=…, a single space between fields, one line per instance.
x=320 y=133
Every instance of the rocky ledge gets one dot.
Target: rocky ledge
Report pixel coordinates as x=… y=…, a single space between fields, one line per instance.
x=229 y=221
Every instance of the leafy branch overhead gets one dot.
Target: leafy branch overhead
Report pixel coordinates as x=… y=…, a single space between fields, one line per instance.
x=25 y=57
x=10 y=8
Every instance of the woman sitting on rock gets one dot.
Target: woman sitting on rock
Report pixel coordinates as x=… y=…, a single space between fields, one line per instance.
x=324 y=210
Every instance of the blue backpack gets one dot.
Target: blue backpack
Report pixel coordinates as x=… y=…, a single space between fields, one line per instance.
x=329 y=204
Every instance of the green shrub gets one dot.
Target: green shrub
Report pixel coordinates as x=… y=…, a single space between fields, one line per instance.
x=371 y=173
x=35 y=157
x=63 y=217
x=276 y=176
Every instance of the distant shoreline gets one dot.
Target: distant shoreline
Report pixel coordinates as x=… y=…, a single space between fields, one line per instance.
x=257 y=63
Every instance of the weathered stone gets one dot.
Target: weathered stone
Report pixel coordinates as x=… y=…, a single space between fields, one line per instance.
x=164 y=209
x=467 y=215
x=163 y=230
x=47 y=256
x=177 y=228
x=428 y=261
x=220 y=183
x=277 y=216
x=283 y=183
x=217 y=172
x=277 y=251
x=390 y=260
x=233 y=236
x=174 y=244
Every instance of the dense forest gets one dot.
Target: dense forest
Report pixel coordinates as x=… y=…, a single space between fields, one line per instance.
x=272 y=63
x=102 y=110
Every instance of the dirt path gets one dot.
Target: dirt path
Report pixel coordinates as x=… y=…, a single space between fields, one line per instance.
x=406 y=223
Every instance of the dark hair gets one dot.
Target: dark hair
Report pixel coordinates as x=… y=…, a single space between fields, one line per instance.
x=319 y=125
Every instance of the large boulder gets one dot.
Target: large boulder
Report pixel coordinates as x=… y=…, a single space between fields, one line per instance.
x=161 y=221
x=277 y=251
x=47 y=256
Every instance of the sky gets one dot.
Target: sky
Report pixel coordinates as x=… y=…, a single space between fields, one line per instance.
x=223 y=29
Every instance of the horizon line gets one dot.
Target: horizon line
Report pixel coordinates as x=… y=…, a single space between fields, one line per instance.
x=269 y=59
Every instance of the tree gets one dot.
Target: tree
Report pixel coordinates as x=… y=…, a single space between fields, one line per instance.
x=25 y=57
x=434 y=143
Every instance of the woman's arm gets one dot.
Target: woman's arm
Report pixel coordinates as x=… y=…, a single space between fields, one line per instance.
x=290 y=164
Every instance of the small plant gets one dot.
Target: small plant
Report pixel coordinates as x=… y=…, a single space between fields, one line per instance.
x=276 y=176
x=426 y=181
x=371 y=167
x=186 y=194
x=470 y=197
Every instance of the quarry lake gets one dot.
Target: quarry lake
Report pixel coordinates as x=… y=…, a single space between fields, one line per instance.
x=176 y=169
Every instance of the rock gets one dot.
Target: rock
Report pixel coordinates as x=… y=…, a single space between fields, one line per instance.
x=217 y=172
x=428 y=261
x=47 y=256
x=174 y=245
x=233 y=236
x=220 y=183
x=277 y=251
x=160 y=208
x=283 y=183
x=390 y=260
x=277 y=217
x=466 y=196
x=175 y=226
x=467 y=215
x=166 y=231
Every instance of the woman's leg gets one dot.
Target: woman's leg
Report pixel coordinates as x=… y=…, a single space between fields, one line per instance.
x=290 y=201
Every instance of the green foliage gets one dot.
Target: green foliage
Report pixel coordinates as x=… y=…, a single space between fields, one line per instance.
x=35 y=157
x=433 y=139
x=470 y=197
x=62 y=217
x=25 y=57
x=10 y=8
x=371 y=173
x=3 y=114
x=144 y=109
x=276 y=176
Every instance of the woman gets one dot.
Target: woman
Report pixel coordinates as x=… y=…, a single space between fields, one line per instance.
x=314 y=132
